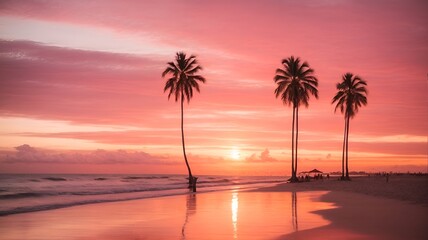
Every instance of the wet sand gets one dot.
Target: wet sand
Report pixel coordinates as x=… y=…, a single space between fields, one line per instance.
x=215 y=215
x=366 y=217
x=365 y=208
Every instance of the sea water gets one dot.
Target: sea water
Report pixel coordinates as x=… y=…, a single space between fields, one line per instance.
x=20 y=193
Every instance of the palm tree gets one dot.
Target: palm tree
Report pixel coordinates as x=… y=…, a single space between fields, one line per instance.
x=296 y=82
x=351 y=95
x=181 y=85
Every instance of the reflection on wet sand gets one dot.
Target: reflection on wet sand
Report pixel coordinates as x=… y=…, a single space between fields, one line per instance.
x=190 y=210
x=294 y=211
x=216 y=215
x=235 y=205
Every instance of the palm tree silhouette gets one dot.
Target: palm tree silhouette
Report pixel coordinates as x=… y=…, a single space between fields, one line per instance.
x=351 y=95
x=296 y=82
x=181 y=84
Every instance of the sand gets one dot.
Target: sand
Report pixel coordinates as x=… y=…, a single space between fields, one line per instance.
x=368 y=208
x=408 y=188
x=365 y=208
x=367 y=217
x=215 y=215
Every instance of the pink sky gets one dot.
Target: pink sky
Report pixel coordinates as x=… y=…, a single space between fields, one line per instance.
x=81 y=87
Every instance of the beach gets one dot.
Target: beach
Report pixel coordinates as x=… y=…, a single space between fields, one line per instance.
x=364 y=208
x=368 y=208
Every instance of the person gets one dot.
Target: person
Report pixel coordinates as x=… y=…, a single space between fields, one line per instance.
x=387 y=177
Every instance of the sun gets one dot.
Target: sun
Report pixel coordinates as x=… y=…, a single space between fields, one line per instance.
x=235 y=154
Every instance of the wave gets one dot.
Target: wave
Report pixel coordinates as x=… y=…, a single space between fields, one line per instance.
x=48 y=207
x=216 y=181
x=147 y=177
x=100 y=179
x=85 y=193
x=119 y=191
x=55 y=179
x=109 y=191
x=44 y=207
x=21 y=195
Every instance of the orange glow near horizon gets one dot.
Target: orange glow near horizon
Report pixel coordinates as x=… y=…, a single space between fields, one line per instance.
x=91 y=105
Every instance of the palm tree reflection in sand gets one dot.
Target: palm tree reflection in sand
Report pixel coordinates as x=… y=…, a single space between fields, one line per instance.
x=190 y=210
x=294 y=211
x=218 y=215
x=235 y=204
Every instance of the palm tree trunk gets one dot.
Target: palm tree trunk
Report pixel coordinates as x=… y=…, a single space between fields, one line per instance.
x=343 y=150
x=297 y=137
x=182 y=141
x=293 y=174
x=347 y=144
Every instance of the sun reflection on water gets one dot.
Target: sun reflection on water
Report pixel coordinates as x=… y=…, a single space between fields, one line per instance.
x=235 y=204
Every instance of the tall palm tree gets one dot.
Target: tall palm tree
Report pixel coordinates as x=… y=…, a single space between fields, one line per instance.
x=296 y=82
x=351 y=95
x=183 y=80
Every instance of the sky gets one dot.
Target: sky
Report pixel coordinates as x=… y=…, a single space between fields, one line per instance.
x=81 y=89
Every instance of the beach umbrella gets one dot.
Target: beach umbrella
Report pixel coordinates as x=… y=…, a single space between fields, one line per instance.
x=315 y=171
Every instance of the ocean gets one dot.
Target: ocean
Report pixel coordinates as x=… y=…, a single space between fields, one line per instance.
x=20 y=193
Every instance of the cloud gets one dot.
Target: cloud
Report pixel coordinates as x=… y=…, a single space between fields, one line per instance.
x=263 y=157
x=27 y=154
x=78 y=86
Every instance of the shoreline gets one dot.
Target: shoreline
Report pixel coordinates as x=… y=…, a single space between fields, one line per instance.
x=149 y=195
x=47 y=192
x=364 y=208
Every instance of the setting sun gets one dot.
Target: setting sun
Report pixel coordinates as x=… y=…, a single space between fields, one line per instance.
x=235 y=154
